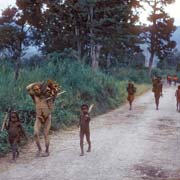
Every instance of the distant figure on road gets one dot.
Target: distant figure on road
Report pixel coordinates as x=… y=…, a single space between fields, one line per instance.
x=175 y=79
x=178 y=98
x=169 y=79
x=157 y=90
x=131 y=89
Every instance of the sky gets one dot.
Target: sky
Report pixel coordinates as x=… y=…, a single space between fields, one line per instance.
x=173 y=10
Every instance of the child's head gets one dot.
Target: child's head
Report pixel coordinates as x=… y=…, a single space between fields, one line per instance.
x=84 y=108
x=14 y=117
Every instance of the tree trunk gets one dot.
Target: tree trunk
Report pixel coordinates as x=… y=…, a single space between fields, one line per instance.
x=151 y=60
x=17 y=58
x=77 y=33
x=95 y=63
x=108 y=57
x=17 y=68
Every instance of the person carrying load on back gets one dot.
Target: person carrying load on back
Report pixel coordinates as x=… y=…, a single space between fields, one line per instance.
x=43 y=95
x=131 y=90
x=157 y=90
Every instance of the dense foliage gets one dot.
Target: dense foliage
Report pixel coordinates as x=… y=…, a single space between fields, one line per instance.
x=81 y=85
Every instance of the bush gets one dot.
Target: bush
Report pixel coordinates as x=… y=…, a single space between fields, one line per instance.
x=82 y=85
x=80 y=82
x=135 y=75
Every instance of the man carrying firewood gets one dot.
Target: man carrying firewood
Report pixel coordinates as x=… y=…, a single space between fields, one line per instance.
x=43 y=95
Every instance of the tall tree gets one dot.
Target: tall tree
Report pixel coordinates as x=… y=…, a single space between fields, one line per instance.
x=92 y=27
x=115 y=26
x=14 y=35
x=159 y=32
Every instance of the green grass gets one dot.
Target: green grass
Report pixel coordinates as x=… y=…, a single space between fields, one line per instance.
x=82 y=85
x=136 y=75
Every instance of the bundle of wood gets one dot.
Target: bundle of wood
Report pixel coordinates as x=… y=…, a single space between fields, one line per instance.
x=50 y=89
x=47 y=90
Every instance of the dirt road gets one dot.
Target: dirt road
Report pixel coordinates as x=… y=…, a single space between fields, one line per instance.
x=141 y=144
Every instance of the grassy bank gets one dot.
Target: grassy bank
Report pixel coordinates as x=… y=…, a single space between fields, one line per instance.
x=82 y=85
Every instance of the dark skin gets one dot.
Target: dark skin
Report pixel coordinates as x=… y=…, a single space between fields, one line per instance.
x=175 y=78
x=15 y=132
x=169 y=79
x=43 y=117
x=84 y=129
x=157 y=89
x=178 y=98
x=131 y=94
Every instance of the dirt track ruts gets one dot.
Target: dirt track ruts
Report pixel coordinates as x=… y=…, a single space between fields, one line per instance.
x=126 y=145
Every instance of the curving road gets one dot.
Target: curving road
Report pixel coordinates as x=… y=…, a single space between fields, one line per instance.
x=141 y=144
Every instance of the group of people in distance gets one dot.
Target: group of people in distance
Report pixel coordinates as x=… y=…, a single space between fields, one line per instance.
x=157 y=89
x=44 y=107
x=172 y=79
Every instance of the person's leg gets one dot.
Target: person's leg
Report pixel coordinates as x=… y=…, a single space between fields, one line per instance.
x=81 y=143
x=37 y=127
x=179 y=106
x=88 y=141
x=157 y=96
x=17 y=153
x=131 y=100
x=46 y=134
x=130 y=105
x=14 y=150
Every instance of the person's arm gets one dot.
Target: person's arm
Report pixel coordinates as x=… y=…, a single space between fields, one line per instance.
x=30 y=91
x=29 y=87
x=88 y=117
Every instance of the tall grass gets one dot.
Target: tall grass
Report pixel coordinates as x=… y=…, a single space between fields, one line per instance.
x=82 y=85
x=136 y=75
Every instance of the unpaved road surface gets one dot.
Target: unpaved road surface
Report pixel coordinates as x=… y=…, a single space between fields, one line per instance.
x=141 y=144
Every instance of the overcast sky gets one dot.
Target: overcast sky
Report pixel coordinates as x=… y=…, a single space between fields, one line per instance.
x=173 y=10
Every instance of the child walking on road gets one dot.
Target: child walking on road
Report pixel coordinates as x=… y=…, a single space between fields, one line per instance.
x=84 y=128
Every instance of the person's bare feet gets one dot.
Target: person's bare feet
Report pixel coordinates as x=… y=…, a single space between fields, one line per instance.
x=12 y=161
x=46 y=154
x=38 y=153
